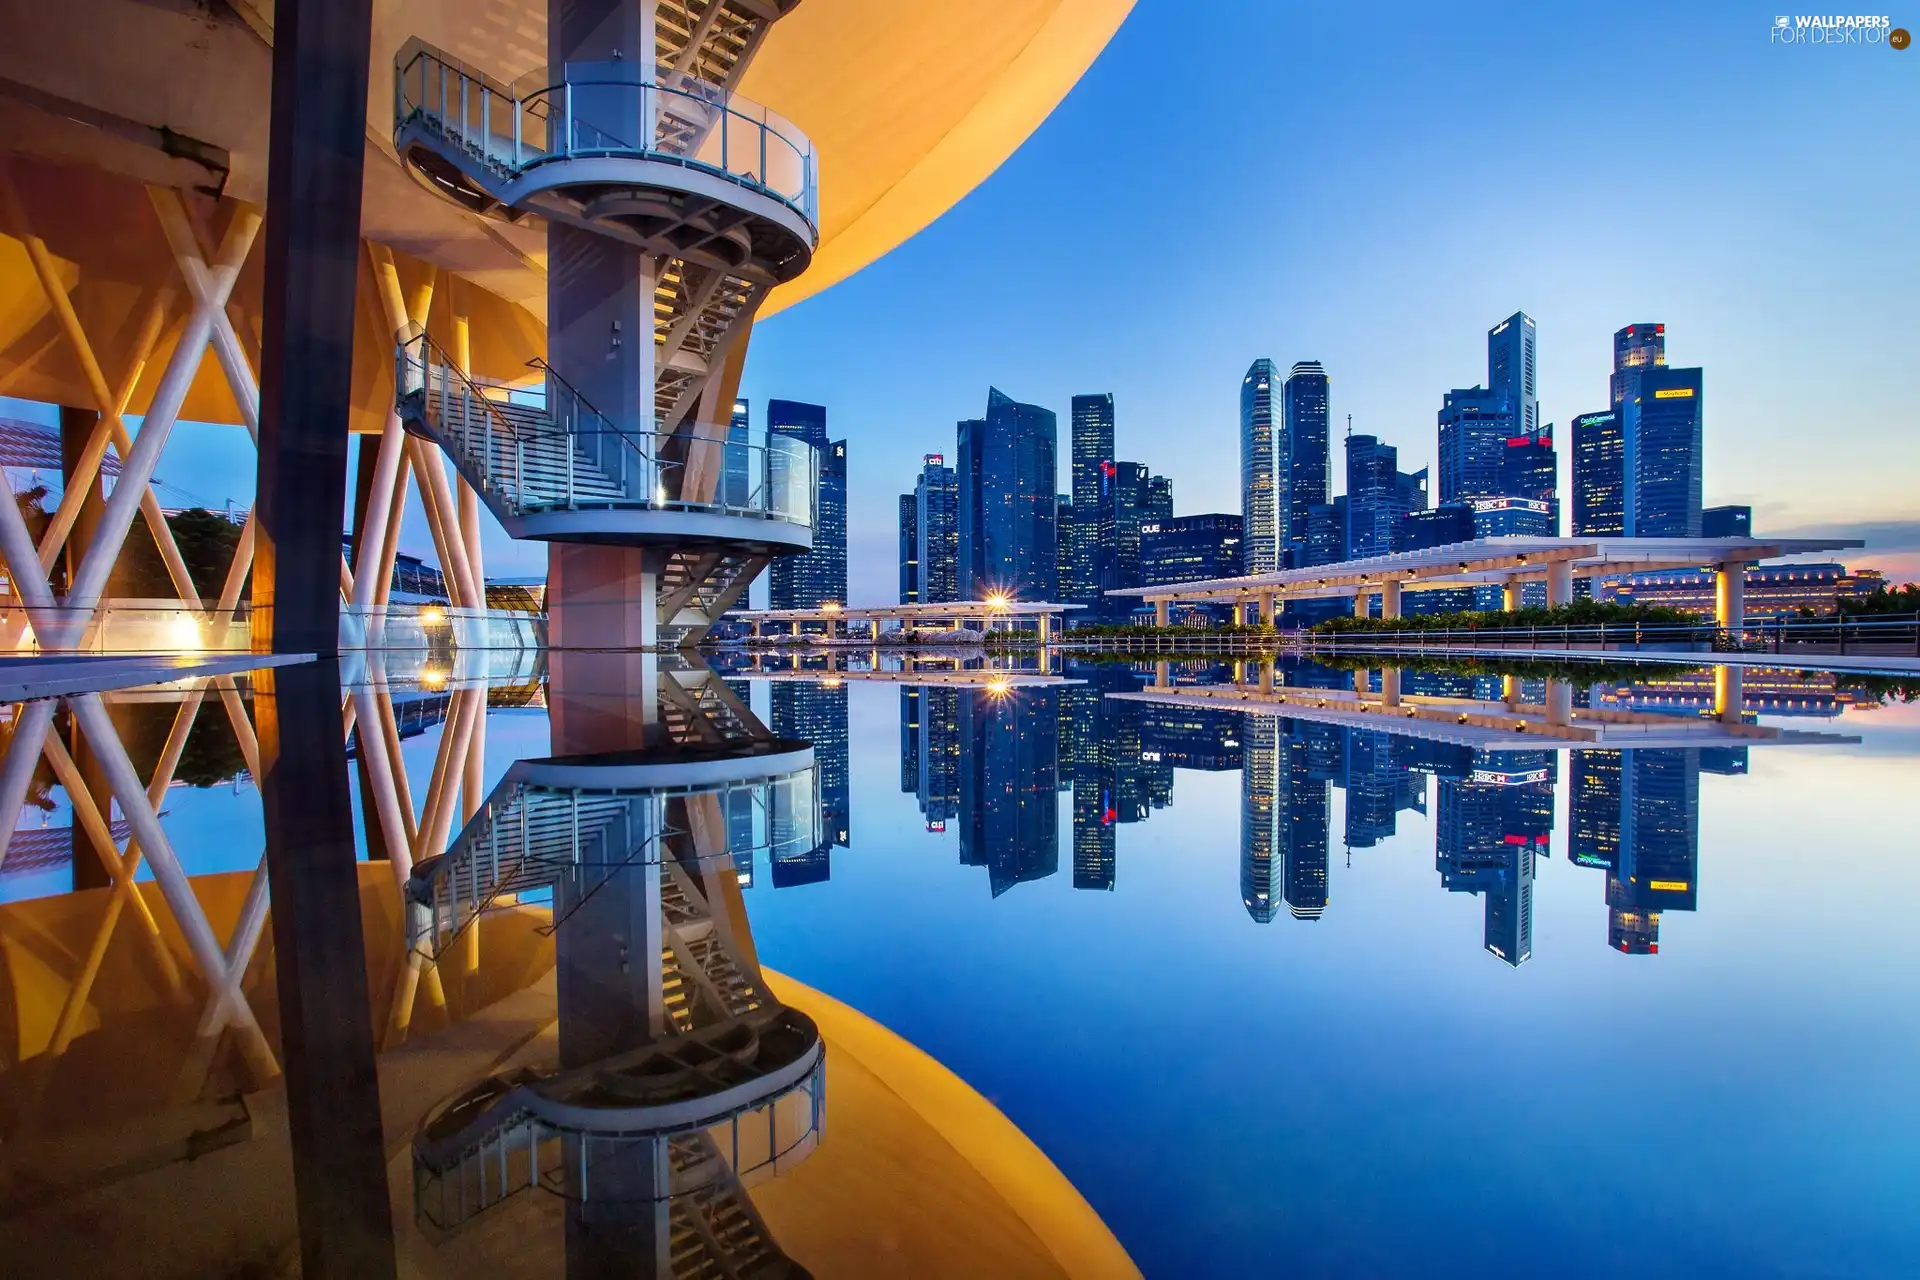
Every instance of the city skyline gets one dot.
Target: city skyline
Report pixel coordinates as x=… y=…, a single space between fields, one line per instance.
x=1392 y=288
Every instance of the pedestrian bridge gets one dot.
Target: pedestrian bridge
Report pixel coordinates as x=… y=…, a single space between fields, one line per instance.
x=1506 y=562
x=990 y=614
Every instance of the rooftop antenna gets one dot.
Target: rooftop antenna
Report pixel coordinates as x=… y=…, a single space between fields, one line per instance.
x=1349 y=426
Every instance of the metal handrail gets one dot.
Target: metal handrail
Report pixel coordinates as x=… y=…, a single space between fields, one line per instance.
x=497 y=450
x=677 y=119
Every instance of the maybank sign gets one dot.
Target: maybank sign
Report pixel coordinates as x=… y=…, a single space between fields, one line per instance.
x=1836 y=29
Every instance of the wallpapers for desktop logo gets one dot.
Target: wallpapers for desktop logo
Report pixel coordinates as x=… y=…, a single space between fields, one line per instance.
x=1838 y=29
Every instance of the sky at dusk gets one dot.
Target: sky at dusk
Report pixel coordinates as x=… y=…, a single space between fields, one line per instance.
x=1374 y=188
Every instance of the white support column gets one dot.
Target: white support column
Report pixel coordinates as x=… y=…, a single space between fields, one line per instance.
x=469 y=497
x=1362 y=603
x=1265 y=599
x=1239 y=613
x=1559 y=584
x=1559 y=701
x=1162 y=612
x=1730 y=595
x=1389 y=599
x=1729 y=693
x=1510 y=595
x=1390 y=686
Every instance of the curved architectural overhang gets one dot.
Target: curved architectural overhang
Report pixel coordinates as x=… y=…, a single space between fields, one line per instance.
x=921 y=103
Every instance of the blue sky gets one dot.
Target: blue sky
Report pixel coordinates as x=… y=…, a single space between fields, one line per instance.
x=1374 y=188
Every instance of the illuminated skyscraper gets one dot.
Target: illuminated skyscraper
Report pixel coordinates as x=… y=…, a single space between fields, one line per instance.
x=1510 y=370
x=1262 y=489
x=1308 y=456
x=816 y=714
x=1474 y=425
x=1008 y=540
x=936 y=526
x=1092 y=446
x=909 y=549
x=1494 y=818
x=1636 y=347
x=1661 y=424
x=1379 y=496
x=738 y=480
x=811 y=580
x=1599 y=480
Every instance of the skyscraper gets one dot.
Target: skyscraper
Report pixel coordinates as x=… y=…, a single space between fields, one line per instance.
x=1309 y=460
x=811 y=580
x=1530 y=469
x=1661 y=426
x=1261 y=860
x=1189 y=549
x=1126 y=494
x=1379 y=495
x=1008 y=539
x=1262 y=489
x=1510 y=370
x=1159 y=503
x=1092 y=446
x=1599 y=481
x=1474 y=425
x=909 y=548
x=936 y=525
x=1636 y=347
x=738 y=476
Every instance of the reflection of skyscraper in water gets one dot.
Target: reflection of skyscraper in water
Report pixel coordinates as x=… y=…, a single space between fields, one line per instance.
x=1094 y=813
x=1648 y=802
x=1009 y=787
x=1492 y=823
x=817 y=714
x=910 y=740
x=939 y=747
x=1304 y=797
x=1283 y=819
x=1259 y=834
x=1380 y=783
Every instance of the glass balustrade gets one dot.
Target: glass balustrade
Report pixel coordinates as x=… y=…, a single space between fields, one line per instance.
x=605 y=109
x=530 y=452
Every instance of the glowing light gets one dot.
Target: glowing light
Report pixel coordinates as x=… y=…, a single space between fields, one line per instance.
x=184 y=633
x=998 y=600
x=434 y=677
x=1674 y=393
x=433 y=616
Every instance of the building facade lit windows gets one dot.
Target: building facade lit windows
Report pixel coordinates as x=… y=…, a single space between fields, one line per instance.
x=1008 y=537
x=1599 y=481
x=1262 y=489
x=1308 y=456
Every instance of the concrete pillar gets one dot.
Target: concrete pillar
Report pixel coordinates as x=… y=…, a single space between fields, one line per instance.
x=755 y=628
x=1510 y=691
x=600 y=597
x=1265 y=601
x=1559 y=702
x=1266 y=677
x=1389 y=600
x=1046 y=628
x=1362 y=683
x=1390 y=686
x=1510 y=595
x=1559 y=584
x=600 y=700
x=1730 y=595
x=1162 y=613
x=1162 y=679
x=1362 y=604
x=1239 y=613
x=316 y=156
x=1729 y=693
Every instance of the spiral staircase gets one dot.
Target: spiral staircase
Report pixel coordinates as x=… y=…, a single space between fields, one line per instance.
x=672 y=206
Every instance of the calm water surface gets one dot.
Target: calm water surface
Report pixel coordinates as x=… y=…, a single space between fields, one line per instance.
x=1283 y=995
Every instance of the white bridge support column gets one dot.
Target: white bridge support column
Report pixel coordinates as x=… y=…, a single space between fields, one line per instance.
x=1162 y=612
x=1559 y=584
x=1559 y=702
x=1389 y=600
x=1729 y=693
x=1362 y=603
x=1510 y=595
x=1730 y=596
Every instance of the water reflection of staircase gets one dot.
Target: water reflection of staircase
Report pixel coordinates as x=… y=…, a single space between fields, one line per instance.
x=698 y=586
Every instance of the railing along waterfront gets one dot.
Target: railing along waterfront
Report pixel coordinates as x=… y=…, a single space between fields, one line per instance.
x=1834 y=634
x=604 y=110
x=551 y=450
